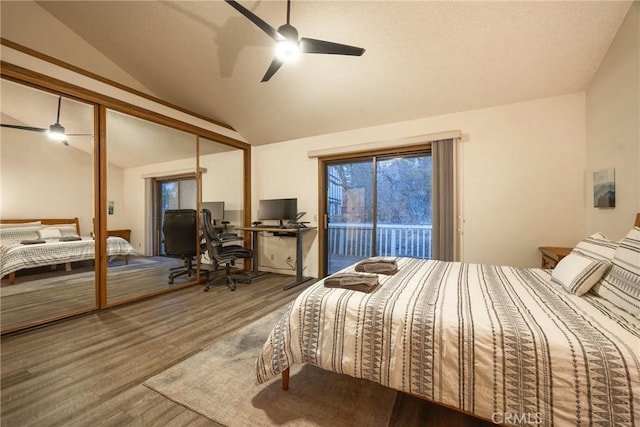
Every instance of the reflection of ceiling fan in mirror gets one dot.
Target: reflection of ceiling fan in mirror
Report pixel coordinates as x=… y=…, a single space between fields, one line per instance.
x=55 y=132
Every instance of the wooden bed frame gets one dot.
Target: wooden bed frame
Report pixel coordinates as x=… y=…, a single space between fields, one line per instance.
x=44 y=221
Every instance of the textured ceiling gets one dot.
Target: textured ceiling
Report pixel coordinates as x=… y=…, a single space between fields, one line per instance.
x=422 y=58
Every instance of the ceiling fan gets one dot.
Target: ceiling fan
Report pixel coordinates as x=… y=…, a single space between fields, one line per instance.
x=55 y=131
x=288 y=45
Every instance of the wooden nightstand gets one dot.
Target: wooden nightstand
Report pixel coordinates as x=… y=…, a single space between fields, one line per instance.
x=552 y=255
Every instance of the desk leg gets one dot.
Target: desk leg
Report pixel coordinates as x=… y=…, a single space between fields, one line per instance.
x=254 y=259
x=255 y=272
x=299 y=278
x=299 y=257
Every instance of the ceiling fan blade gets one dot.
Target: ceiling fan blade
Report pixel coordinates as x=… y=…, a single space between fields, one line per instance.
x=271 y=32
x=322 y=46
x=32 y=129
x=275 y=66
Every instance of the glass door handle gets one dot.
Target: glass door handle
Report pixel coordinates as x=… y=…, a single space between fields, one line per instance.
x=326 y=221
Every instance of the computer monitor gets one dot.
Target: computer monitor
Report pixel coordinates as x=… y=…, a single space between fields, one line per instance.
x=278 y=209
x=216 y=209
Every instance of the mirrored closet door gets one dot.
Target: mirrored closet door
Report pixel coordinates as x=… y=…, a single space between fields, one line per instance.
x=151 y=172
x=46 y=206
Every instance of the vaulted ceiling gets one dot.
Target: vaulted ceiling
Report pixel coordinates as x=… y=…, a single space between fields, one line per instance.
x=423 y=58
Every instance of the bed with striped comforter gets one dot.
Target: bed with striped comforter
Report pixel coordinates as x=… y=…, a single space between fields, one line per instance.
x=15 y=256
x=502 y=343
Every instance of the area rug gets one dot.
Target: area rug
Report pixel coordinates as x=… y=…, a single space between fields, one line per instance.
x=219 y=383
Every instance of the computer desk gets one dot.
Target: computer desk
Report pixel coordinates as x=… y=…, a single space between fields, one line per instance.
x=298 y=232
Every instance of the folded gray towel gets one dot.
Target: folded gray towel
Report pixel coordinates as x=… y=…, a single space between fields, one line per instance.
x=355 y=281
x=32 y=241
x=379 y=265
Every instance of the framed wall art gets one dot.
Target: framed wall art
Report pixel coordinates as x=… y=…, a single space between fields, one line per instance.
x=604 y=188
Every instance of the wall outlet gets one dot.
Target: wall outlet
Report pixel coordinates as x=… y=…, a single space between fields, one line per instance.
x=272 y=257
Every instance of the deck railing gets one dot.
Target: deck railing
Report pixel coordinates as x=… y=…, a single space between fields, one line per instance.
x=352 y=239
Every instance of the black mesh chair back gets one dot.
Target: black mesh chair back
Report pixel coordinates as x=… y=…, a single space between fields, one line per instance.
x=180 y=229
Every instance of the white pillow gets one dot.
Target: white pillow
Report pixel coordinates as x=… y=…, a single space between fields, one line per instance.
x=49 y=233
x=577 y=274
x=597 y=247
x=621 y=284
x=65 y=229
x=19 y=233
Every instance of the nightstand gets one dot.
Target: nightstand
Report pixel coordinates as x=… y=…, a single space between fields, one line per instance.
x=552 y=255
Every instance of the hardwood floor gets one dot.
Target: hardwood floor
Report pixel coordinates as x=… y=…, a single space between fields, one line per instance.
x=89 y=370
x=41 y=294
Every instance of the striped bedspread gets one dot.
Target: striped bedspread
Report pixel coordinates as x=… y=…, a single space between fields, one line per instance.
x=15 y=256
x=499 y=342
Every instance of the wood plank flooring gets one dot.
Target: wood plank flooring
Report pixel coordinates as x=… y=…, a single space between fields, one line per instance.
x=89 y=370
x=41 y=294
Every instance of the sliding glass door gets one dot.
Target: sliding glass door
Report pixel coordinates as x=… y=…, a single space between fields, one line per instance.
x=377 y=206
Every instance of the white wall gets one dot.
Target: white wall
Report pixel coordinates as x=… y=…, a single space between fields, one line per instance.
x=223 y=181
x=613 y=129
x=522 y=178
x=41 y=178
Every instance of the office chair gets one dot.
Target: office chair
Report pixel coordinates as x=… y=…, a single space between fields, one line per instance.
x=181 y=240
x=222 y=253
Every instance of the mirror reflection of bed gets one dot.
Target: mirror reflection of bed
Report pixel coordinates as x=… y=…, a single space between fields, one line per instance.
x=43 y=280
x=42 y=179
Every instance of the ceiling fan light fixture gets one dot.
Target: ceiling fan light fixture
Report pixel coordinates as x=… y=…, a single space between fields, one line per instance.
x=289 y=46
x=287 y=51
x=56 y=132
